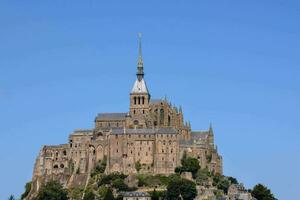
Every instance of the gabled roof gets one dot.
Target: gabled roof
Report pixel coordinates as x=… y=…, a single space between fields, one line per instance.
x=155 y=101
x=139 y=87
x=111 y=116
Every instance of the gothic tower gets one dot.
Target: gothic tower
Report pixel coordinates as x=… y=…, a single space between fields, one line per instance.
x=139 y=96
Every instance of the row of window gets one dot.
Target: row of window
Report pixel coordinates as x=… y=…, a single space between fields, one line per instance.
x=138 y=100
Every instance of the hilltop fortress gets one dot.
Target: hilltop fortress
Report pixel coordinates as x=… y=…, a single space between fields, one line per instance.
x=152 y=134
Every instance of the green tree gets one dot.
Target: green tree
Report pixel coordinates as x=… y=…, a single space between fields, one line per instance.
x=138 y=166
x=188 y=164
x=109 y=195
x=75 y=193
x=89 y=195
x=119 y=185
x=261 y=192
x=181 y=188
x=232 y=180
x=202 y=177
x=52 y=190
x=221 y=182
x=27 y=190
x=100 y=167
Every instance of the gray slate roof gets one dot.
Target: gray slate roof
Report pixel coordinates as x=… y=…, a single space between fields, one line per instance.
x=111 y=116
x=155 y=101
x=136 y=194
x=144 y=131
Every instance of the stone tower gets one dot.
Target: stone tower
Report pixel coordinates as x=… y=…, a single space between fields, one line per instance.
x=139 y=96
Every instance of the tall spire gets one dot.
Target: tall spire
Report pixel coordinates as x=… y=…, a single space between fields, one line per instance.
x=140 y=68
x=210 y=129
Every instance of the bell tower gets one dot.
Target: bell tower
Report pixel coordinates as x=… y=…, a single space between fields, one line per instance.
x=139 y=96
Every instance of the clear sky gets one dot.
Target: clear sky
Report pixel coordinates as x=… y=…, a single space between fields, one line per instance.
x=234 y=64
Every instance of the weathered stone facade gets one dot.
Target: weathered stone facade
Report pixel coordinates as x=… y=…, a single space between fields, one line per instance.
x=152 y=134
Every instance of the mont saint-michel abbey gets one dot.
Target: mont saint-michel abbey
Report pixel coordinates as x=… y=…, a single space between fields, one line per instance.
x=152 y=133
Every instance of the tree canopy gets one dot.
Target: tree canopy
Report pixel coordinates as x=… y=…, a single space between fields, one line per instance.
x=52 y=190
x=188 y=164
x=261 y=192
x=181 y=188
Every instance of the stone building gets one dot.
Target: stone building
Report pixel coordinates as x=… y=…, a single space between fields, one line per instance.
x=151 y=134
x=136 y=196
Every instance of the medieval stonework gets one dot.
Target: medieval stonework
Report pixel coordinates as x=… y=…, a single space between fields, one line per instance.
x=151 y=134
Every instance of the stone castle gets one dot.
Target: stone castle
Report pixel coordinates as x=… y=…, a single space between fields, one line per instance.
x=152 y=133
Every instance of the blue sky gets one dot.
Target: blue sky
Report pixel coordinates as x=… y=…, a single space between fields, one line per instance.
x=234 y=64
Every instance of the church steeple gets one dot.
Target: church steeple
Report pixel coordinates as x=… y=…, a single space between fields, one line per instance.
x=140 y=68
x=139 y=96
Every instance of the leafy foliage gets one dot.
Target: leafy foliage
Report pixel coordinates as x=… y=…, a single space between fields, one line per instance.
x=100 y=167
x=27 y=190
x=179 y=187
x=221 y=182
x=120 y=185
x=52 y=190
x=152 y=180
x=202 y=177
x=75 y=193
x=107 y=179
x=138 y=166
x=89 y=195
x=157 y=195
x=188 y=164
x=109 y=195
x=232 y=180
x=261 y=192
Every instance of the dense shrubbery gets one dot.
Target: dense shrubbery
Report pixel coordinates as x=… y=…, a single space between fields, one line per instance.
x=115 y=180
x=89 y=195
x=152 y=180
x=107 y=179
x=188 y=164
x=138 y=166
x=75 y=193
x=221 y=182
x=100 y=167
x=157 y=195
x=52 y=190
x=181 y=188
x=261 y=192
x=27 y=190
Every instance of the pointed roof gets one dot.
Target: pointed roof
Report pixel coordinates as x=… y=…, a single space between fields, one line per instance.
x=140 y=84
x=139 y=87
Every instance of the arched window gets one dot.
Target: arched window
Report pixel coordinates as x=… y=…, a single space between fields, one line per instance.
x=134 y=99
x=65 y=152
x=55 y=166
x=139 y=100
x=143 y=100
x=169 y=120
x=162 y=115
